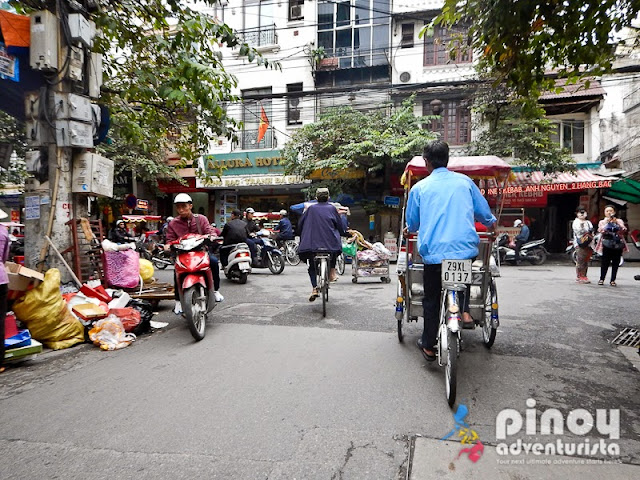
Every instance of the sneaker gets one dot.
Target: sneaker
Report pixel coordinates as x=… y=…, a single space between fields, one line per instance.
x=218 y=296
x=583 y=280
x=178 y=308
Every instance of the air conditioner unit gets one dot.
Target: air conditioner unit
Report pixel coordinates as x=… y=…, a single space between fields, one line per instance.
x=295 y=12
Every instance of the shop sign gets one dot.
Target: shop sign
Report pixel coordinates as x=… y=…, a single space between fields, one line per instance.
x=526 y=199
x=15 y=216
x=142 y=205
x=241 y=163
x=392 y=201
x=332 y=174
x=253 y=181
x=32 y=208
x=8 y=66
x=551 y=187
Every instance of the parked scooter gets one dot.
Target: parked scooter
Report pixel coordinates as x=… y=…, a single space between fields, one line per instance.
x=194 y=280
x=160 y=257
x=238 y=262
x=268 y=256
x=532 y=252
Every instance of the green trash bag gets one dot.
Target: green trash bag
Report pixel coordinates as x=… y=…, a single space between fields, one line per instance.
x=349 y=249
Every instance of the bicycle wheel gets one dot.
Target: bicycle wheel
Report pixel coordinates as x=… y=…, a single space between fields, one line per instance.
x=491 y=300
x=340 y=264
x=450 y=372
x=324 y=289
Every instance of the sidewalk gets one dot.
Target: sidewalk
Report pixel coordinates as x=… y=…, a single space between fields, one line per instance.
x=439 y=459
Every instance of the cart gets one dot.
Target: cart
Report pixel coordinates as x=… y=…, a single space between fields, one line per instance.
x=492 y=175
x=368 y=264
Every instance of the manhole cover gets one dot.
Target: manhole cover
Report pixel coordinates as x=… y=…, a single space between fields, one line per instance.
x=252 y=309
x=628 y=337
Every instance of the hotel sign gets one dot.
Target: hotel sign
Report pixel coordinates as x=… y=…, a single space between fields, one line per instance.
x=233 y=181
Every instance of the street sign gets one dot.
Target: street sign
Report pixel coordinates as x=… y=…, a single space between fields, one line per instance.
x=392 y=201
x=131 y=201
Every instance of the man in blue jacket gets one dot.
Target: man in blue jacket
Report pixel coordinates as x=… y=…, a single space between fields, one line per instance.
x=284 y=230
x=443 y=208
x=320 y=231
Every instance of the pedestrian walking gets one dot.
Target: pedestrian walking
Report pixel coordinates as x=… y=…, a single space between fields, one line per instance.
x=582 y=242
x=611 y=244
x=5 y=244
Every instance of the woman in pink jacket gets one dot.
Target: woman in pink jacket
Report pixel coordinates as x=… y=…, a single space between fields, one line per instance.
x=5 y=243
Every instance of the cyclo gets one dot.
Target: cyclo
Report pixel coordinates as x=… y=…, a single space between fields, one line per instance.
x=476 y=277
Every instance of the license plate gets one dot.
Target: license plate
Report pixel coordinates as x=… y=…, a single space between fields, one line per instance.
x=456 y=271
x=245 y=266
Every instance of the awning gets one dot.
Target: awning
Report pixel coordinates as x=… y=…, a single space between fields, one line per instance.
x=562 y=182
x=625 y=189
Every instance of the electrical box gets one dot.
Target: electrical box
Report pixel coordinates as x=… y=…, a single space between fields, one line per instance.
x=76 y=64
x=94 y=72
x=92 y=174
x=71 y=133
x=72 y=107
x=32 y=105
x=43 y=50
x=38 y=133
x=81 y=30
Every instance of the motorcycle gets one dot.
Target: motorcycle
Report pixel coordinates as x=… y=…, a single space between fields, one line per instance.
x=268 y=256
x=533 y=252
x=160 y=257
x=238 y=262
x=194 y=280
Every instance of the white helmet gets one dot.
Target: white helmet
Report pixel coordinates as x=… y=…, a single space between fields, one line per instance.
x=283 y=213
x=517 y=223
x=250 y=210
x=169 y=219
x=182 y=198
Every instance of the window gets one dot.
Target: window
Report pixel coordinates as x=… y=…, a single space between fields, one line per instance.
x=293 y=105
x=454 y=124
x=354 y=32
x=447 y=46
x=251 y=113
x=259 y=29
x=570 y=135
x=296 y=9
x=407 y=35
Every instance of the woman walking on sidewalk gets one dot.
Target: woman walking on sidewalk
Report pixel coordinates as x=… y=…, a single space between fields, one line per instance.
x=582 y=240
x=611 y=243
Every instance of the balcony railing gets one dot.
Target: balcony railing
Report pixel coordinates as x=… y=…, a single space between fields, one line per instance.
x=260 y=36
x=249 y=140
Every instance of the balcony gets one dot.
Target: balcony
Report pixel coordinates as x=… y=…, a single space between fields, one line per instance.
x=260 y=36
x=631 y=101
x=249 y=140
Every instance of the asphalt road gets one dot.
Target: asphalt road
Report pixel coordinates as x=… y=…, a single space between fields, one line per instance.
x=276 y=391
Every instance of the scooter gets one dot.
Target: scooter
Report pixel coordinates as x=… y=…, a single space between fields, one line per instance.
x=533 y=252
x=268 y=255
x=194 y=280
x=238 y=262
x=160 y=257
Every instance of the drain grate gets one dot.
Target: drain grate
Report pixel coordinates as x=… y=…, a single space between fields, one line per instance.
x=628 y=337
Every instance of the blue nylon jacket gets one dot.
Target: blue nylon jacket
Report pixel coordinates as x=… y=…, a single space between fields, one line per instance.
x=320 y=229
x=442 y=208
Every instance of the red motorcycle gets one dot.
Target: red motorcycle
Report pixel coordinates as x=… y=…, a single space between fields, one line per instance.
x=194 y=280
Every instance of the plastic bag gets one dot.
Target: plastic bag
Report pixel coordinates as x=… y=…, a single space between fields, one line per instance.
x=109 y=334
x=122 y=269
x=146 y=315
x=146 y=270
x=382 y=251
x=130 y=317
x=46 y=315
x=349 y=249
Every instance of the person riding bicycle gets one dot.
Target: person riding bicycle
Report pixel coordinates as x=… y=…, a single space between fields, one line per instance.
x=442 y=208
x=186 y=222
x=284 y=229
x=320 y=231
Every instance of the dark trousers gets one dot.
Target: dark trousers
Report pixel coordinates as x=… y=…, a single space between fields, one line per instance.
x=251 y=242
x=3 y=313
x=610 y=256
x=431 y=301
x=519 y=244
x=215 y=272
x=311 y=264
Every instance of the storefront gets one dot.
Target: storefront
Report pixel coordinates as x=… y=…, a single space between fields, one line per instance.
x=548 y=202
x=253 y=179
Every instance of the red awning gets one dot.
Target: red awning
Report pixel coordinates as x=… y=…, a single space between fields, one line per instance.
x=562 y=182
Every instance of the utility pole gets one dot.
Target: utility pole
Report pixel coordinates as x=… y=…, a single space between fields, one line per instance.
x=61 y=125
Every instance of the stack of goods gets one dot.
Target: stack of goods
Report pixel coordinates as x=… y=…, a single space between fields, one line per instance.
x=371 y=263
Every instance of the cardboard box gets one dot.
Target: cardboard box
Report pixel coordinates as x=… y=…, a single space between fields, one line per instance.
x=20 y=278
x=23 y=353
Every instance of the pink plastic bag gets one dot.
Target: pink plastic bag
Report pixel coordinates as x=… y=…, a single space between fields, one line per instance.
x=122 y=269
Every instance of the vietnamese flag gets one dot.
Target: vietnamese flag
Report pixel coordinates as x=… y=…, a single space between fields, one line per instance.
x=264 y=124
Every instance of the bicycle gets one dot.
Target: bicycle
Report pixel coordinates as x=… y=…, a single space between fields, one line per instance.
x=340 y=263
x=322 y=275
x=290 y=250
